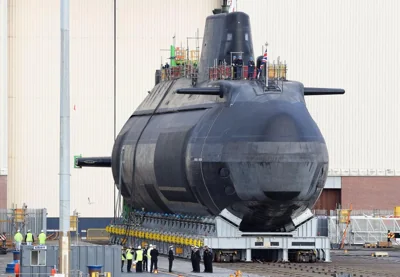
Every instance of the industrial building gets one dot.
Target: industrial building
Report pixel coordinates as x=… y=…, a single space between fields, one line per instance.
x=347 y=44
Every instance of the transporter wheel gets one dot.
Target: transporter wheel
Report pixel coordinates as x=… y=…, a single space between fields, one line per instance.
x=313 y=258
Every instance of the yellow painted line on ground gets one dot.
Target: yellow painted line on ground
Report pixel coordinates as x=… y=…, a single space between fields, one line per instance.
x=169 y=273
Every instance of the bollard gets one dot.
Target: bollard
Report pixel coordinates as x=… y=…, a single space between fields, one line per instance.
x=94 y=269
x=16 y=255
x=107 y=274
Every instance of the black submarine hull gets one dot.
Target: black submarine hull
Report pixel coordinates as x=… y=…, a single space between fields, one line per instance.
x=246 y=150
x=261 y=157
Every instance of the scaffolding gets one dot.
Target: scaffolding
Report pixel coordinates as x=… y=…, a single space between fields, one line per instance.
x=23 y=219
x=363 y=229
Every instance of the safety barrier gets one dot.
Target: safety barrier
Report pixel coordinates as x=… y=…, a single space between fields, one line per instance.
x=138 y=232
x=97 y=234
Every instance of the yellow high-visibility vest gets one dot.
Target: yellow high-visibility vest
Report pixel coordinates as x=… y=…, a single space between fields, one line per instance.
x=18 y=237
x=139 y=255
x=29 y=237
x=129 y=255
x=42 y=238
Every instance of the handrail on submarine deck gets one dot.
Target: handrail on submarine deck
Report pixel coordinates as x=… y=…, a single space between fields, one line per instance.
x=219 y=72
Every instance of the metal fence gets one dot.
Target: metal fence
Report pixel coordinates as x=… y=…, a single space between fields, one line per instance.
x=373 y=213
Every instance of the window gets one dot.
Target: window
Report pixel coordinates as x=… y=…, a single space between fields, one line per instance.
x=38 y=258
x=246 y=36
x=229 y=36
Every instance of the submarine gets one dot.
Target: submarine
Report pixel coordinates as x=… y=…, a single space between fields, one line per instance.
x=243 y=148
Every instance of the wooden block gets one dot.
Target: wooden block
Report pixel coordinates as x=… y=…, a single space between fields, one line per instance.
x=380 y=254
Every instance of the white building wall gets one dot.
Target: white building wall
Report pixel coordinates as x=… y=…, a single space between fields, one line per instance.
x=341 y=44
x=348 y=44
x=3 y=87
x=143 y=28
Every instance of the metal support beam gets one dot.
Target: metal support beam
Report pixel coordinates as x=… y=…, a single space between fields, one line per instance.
x=285 y=257
x=248 y=255
x=3 y=88
x=64 y=256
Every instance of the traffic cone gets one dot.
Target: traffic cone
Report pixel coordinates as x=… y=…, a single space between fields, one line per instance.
x=53 y=271
x=16 y=270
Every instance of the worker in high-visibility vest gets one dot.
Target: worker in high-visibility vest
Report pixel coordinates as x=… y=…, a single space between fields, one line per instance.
x=129 y=258
x=42 y=238
x=29 y=239
x=139 y=259
x=18 y=240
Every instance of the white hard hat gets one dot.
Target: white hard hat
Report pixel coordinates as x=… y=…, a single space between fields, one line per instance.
x=151 y=245
x=29 y=230
x=41 y=231
x=139 y=247
x=18 y=230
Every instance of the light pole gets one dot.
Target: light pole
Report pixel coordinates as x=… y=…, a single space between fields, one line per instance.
x=64 y=142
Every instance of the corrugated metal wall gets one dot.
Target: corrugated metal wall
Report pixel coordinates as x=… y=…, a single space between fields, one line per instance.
x=349 y=44
x=3 y=87
x=143 y=28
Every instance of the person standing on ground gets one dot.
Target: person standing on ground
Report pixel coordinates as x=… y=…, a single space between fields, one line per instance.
x=139 y=259
x=197 y=259
x=208 y=258
x=192 y=257
x=149 y=258
x=123 y=258
x=154 y=258
x=170 y=258
x=129 y=257
x=18 y=240
x=145 y=258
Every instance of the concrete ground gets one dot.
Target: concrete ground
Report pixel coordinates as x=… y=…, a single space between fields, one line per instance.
x=357 y=262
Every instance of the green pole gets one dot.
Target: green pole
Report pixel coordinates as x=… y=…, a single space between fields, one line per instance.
x=172 y=55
